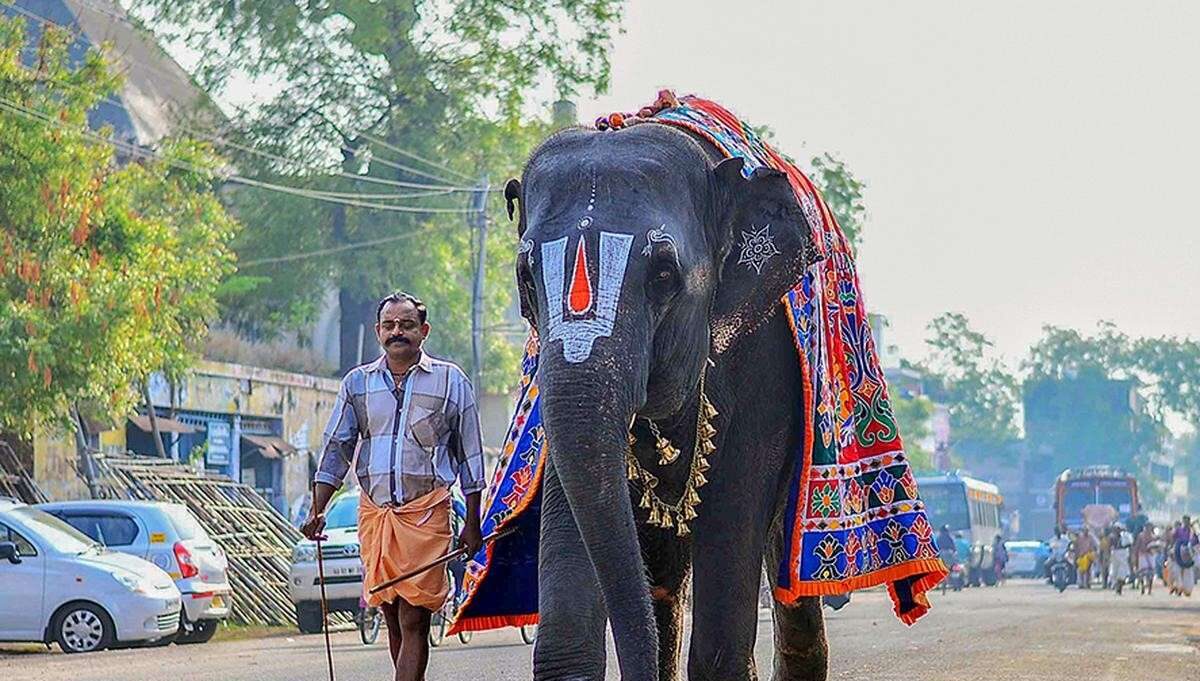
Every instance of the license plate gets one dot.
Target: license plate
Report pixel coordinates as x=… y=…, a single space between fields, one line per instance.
x=344 y=571
x=218 y=602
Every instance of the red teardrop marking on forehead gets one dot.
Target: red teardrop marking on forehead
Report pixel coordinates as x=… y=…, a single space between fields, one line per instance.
x=579 y=300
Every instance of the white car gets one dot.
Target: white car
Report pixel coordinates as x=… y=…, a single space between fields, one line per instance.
x=59 y=585
x=171 y=538
x=343 y=567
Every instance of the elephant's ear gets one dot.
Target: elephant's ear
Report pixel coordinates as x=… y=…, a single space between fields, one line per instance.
x=765 y=245
x=513 y=198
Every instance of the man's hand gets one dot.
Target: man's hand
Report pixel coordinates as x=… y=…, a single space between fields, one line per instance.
x=313 y=527
x=471 y=538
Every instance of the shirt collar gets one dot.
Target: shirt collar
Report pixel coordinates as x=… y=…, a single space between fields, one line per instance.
x=425 y=363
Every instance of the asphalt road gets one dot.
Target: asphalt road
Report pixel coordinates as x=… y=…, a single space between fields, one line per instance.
x=1022 y=630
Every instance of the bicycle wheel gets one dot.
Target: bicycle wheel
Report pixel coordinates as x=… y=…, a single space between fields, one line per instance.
x=369 y=623
x=465 y=636
x=437 y=630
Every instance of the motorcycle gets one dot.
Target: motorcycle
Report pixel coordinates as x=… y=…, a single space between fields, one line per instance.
x=1060 y=574
x=956 y=579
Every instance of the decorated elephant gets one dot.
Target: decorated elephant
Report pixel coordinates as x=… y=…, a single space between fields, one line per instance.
x=680 y=395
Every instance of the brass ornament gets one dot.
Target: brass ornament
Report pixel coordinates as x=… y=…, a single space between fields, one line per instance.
x=678 y=515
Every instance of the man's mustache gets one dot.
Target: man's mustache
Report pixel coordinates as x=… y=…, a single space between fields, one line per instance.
x=397 y=339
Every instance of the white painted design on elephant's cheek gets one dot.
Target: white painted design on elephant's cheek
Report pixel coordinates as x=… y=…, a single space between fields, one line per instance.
x=526 y=248
x=757 y=247
x=656 y=236
x=579 y=335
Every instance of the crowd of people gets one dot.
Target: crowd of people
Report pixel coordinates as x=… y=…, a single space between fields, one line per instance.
x=1134 y=553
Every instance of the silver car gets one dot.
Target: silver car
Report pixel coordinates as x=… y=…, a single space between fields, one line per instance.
x=168 y=536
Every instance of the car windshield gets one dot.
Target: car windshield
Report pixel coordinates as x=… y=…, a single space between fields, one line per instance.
x=185 y=524
x=343 y=513
x=59 y=535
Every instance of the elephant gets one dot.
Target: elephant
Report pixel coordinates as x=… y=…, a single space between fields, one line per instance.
x=651 y=268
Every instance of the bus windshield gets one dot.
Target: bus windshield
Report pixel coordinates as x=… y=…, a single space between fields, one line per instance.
x=1119 y=496
x=1075 y=497
x=947 y=504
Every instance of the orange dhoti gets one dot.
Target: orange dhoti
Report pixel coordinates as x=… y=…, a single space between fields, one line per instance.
x=395 y=540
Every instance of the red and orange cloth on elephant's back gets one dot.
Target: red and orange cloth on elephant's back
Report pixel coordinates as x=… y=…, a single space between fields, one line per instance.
x=854 y=518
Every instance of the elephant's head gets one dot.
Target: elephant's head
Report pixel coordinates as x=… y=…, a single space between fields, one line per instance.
x=641 y=255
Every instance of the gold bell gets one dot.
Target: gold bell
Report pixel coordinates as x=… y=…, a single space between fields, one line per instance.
x=666 y=452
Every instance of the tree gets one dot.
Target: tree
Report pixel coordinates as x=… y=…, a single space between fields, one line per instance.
x=422 y=93
x=843 y=194
x=108 y=271
x=913 y=413
x=980 y=393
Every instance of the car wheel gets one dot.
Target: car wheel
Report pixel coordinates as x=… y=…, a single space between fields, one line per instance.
x=83 y=628
x=202 y=632
x=308 y=618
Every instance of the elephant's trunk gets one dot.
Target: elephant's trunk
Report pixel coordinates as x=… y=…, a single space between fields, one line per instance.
x=586 y=411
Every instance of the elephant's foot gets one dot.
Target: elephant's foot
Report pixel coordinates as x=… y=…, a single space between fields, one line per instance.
x=801 y=649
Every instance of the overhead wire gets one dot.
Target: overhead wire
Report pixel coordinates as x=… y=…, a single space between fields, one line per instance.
x=136 y=150
x=449 y=185
x=404 y=152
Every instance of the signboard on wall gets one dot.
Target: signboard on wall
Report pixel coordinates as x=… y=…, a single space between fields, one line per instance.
x=219 y=443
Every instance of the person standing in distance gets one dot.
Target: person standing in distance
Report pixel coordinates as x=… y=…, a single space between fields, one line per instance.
x=414 y=424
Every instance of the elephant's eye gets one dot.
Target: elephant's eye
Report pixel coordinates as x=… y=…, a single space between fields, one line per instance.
x=663 y=279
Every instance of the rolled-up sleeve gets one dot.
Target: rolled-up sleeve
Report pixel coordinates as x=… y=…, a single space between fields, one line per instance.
x=467 y=439
x=339 y=440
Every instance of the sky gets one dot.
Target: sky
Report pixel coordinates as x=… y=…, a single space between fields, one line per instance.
x=1026 y=163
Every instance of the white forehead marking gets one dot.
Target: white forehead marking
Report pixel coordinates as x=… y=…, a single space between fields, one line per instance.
x=578 y=335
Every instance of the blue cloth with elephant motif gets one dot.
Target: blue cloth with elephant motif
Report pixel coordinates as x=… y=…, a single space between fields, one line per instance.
x=854 y=518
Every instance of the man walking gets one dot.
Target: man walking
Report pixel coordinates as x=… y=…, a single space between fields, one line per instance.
x=414 y=424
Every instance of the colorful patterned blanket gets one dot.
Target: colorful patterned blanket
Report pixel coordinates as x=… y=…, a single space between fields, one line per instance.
x=854 y=518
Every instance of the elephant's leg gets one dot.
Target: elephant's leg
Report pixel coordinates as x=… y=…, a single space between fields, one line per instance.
x=727 y=569
x=668 y=561
x=801 y=649
x=570 y=641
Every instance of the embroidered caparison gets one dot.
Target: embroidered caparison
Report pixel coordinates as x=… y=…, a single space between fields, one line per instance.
x=853 y=517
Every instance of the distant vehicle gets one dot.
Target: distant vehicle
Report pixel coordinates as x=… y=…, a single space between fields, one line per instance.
x=1078 y=489
x=342 y=564
x=969 y=506
x=169 y=536
x=60 y=585
x=1026 y=558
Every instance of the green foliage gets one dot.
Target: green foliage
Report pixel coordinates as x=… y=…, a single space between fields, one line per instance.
x=843 y=194
x=448 y=81
x=913 y=414
x=108 y=273
x=980 y=393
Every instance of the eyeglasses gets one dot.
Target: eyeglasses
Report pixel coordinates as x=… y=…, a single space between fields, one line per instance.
x=390 y=325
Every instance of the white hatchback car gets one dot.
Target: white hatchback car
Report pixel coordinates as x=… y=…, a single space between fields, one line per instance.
x=59 y=585
x=343 y=567
x=170 y=537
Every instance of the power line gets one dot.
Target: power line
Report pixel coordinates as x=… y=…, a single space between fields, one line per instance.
x=335 y=249
x=426 y=189
x=135 y=150
x=391 y=147
x=78 y=33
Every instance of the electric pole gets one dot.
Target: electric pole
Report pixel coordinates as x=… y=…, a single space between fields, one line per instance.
x=478 y=216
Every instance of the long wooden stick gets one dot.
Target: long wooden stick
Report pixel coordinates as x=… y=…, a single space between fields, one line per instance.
x=324 y=601
x=439 y=561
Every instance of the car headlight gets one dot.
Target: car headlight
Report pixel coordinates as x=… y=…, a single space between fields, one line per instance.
x=131 y=582
x=304 y=553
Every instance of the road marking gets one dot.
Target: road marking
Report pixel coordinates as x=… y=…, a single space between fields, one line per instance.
x=1173 y=648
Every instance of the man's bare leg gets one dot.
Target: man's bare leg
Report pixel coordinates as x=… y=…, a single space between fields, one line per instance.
x=414 y=647
x=391 y=616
